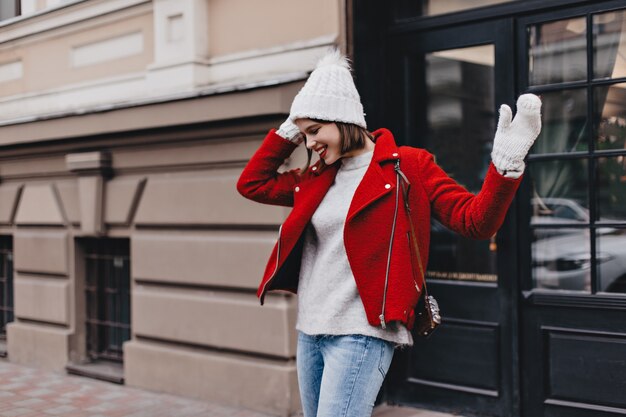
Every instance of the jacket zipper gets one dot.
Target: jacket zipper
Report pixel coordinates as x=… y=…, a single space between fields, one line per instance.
x=277 y=262
x=383 y=324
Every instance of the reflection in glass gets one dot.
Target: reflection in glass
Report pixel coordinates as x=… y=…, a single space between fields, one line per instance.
x=460 y=127
x=562 y=261
x=549 y=211
x=432 y=7
x=611 y=260
x=611 y=188
x=564 y=122
x=609 y=45
x=609 y=114
x=453 y=257
x=557 y=52
x=560 y=192
x=460 y=111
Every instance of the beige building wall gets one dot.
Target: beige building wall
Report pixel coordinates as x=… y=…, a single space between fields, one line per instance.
x=133 y=119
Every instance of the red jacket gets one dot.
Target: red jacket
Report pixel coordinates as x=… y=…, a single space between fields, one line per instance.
x=368 y=223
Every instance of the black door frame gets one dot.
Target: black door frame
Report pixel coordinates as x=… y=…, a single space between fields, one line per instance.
x=498 y=319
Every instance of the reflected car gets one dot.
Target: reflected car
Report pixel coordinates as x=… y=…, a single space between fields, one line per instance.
x=564 y=261
x=548 y=211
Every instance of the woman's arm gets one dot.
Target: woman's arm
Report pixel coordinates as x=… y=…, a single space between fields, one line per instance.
x=475 y=216
x=260 y=180
x=480 y=216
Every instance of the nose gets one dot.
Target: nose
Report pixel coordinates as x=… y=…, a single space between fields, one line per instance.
x=309 y=143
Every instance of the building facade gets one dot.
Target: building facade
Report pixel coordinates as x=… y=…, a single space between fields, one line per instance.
x=126 y=253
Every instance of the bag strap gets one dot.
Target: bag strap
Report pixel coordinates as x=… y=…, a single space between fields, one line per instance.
x=406 y=185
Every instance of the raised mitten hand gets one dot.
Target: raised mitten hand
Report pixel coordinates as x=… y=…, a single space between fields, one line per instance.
x=514 y=138
x=290 y=131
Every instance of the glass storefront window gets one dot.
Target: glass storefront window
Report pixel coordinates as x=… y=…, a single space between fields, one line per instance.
x=609 y=113
x=609 y=45
x=611 y=260
x=460 y=111
x=564 y=122
x=557 y=52
x=611 y=189
x=461 y=122
x=562 y=259
x=560 y=192
x=562 y=187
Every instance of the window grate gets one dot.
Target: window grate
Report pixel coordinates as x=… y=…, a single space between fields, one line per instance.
x=6 y=284
x=107 y=292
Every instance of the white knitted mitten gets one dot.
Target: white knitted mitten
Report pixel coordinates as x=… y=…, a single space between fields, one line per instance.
x=288 y=130
x=514 y=138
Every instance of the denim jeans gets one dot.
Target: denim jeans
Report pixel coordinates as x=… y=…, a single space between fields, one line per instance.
x=340 y=376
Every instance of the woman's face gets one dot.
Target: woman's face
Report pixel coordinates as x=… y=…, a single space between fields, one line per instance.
x=323 y=138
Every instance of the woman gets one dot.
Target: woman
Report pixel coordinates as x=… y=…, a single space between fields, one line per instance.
x=355 y=295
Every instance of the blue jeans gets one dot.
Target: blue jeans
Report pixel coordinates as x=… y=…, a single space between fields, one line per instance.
x=340 y=376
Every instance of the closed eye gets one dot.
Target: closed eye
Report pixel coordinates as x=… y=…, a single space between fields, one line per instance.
x=312 y=130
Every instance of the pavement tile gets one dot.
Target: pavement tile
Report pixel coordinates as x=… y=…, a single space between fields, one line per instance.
x=15 y=412
x=38 y=392
x=29 y=402
x=62 y=410
x=14 y=385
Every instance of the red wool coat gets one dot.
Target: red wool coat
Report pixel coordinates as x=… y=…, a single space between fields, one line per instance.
x=368 y=224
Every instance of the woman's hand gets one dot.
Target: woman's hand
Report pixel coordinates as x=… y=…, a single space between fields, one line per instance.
x=290 y=131
x=514 y=138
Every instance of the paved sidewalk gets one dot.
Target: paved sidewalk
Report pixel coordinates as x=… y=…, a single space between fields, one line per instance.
x=30 y=392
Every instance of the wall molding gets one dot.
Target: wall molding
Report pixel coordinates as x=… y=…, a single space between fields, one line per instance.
x=64 y=15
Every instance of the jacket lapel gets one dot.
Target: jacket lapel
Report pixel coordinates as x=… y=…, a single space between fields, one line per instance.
x=373 y=186
x=379 y=179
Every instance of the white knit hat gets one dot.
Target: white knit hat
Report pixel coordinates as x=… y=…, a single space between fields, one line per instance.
x=329 y=93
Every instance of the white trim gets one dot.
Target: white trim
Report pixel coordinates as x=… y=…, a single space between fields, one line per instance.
x=28 y=7
x=326 y=40
x=77 y=11
x=216 y=89
x=11 y=71
x=243 y=71
x=107 y=49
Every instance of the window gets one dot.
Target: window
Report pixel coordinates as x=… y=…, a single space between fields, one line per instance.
x=578 y=165
x=6 y=284
x=460 y=124
x=9 y=9
x=107 y=292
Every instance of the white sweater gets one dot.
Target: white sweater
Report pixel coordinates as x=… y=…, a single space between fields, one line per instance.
x=328 y=300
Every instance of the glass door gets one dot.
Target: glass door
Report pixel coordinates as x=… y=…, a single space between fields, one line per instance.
x=447 y=88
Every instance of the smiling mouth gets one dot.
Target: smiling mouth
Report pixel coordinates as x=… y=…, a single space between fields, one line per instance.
x=322 y=151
